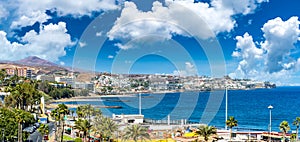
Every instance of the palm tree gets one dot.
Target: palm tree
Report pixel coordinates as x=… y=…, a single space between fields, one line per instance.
x=62 y=110
x=87 y=111
x=55 y=115
x=296 y=123
x=12 y=81
x=293 y=137
x=135 y=132
x=21 y=117
x=43 y=129
x=15 y=99
x=72 y=112
x=109 y=127
x=10 y=101
x=284 y=127
x=3 y=75
x=105 y=126
x=79 y=112
x=206 y=131
x=22 y=95
x=11 y=121
x=84 y=126
x=231 y=122
x=58 y=114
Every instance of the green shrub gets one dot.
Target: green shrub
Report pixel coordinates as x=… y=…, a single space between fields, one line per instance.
x=78 y=140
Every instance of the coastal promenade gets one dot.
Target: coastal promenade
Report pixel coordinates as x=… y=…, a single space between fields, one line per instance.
x=249 y=107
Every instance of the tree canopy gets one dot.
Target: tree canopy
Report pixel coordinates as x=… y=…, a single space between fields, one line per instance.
x=206 y=131
x=9 y=119
x=135 y=132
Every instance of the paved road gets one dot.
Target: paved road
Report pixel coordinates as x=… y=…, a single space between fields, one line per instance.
x=37 y=137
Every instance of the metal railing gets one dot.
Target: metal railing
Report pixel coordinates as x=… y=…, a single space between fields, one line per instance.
x=171 y=122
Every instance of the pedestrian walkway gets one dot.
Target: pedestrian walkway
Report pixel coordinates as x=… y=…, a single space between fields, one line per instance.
x=52 y=138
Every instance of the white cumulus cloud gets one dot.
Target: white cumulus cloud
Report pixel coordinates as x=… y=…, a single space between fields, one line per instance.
x=110 y=56
x=67 y=7
x=298 y=64
x=3 y=12
x=280 y=39
x=30 y=19
x=27 y=12
x=121 y=46
x=98 y=34
x=82 y=44
x=248 y=52
x=239 y=6
x=270 y=59
x=50 y=43
x=179 y=17
x=62 y=63
x=189 y=70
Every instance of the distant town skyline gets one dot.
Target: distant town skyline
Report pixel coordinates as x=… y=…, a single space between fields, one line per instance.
x=259 y=39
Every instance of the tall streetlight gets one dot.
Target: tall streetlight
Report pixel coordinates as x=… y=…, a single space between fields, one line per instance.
x=226 y=105
x=270 y=107
x=140 y=104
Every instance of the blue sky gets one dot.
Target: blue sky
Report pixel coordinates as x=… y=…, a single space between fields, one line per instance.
x=257 y=39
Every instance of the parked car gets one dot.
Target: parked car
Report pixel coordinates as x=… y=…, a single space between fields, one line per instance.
x=37 y=124
x=29 y=129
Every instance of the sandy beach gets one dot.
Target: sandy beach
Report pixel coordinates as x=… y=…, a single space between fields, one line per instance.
x=93 y=96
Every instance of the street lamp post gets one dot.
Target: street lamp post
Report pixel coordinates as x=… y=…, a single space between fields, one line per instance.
x=270 y=107
x=140 y=104
x=117 y=135
x=226 y=106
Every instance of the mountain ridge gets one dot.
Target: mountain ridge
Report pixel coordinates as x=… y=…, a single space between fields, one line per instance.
x=40 y=66
x=35 y=61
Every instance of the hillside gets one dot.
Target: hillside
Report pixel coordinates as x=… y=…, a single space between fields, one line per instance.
x=38 y=65
x=35 y=61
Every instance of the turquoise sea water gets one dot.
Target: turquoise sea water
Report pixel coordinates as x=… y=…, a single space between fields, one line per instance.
x=249 y=107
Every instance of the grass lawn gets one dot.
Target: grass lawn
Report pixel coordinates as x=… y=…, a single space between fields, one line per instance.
x=68 y=138
x=153 y=140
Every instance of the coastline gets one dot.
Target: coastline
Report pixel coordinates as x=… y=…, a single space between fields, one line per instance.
x=90 y=97
x=54 y=103
x=93 y=96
